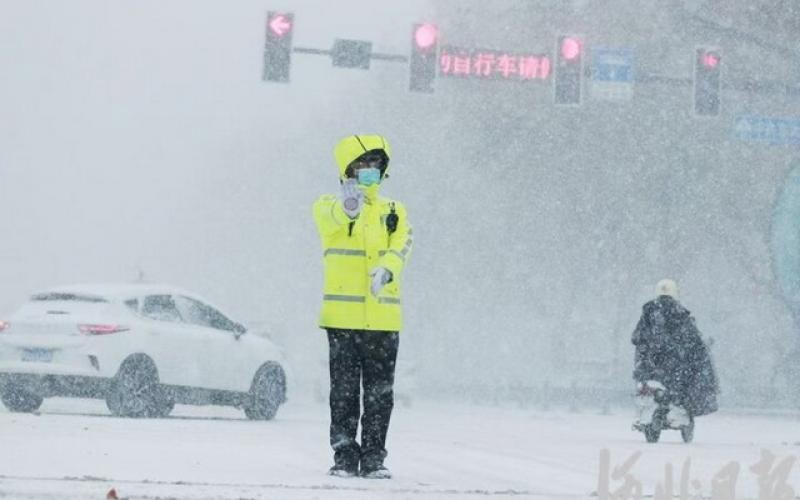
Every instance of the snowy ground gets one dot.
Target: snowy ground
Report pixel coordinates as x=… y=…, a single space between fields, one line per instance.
x=74 y=449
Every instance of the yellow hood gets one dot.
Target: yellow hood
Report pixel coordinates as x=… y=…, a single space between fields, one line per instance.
x=353 y=146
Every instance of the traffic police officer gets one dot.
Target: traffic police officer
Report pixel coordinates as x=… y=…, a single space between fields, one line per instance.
x=366 y=241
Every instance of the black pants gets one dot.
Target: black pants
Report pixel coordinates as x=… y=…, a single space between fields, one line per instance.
x=358 y=356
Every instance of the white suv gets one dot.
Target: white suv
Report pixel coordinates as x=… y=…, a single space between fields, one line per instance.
x=140 y=347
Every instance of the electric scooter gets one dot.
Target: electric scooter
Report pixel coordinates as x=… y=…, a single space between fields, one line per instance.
x=657 y=411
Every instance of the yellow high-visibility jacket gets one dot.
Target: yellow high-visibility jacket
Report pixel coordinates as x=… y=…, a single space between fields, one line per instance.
x=351 y=248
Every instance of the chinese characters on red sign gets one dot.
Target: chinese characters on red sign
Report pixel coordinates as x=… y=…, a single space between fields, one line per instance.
x=492 y=64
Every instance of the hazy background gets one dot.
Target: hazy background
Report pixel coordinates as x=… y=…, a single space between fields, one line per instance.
x=137 y=138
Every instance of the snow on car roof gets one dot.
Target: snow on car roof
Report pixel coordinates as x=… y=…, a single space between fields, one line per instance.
x=116 y=290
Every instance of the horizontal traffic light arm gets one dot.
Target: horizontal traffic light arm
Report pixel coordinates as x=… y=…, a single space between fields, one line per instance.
x=375 y=55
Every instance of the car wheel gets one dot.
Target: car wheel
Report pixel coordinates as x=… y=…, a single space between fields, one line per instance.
x=165 y=407
x=267 y=392
x=112 y=401
x=19 y=400
x=136 y=392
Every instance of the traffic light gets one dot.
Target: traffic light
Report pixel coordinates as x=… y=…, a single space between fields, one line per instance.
x=569 y=70
x=278 y=49
x=424 y=45
x=707 y=65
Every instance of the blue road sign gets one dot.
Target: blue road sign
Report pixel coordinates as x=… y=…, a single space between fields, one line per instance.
x=769 y=129
x=612 y=65
x=612 y=74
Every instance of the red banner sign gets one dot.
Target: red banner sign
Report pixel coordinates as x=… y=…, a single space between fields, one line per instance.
x=493 y=64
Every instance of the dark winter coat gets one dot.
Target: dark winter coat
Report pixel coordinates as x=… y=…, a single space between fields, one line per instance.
x=669 y=349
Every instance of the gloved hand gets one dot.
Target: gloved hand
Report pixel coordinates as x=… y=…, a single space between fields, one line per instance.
x=380 y=276
x=650 y=388
x=352 y=198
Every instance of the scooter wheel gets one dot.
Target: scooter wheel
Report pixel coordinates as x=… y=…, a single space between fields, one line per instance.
x=652 y=433
x=687 y=431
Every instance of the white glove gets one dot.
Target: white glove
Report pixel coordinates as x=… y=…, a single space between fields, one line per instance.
x=352 y=198
x=380 y=276
x=655 y=385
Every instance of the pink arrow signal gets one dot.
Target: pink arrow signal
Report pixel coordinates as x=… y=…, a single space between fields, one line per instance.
x=280 y=25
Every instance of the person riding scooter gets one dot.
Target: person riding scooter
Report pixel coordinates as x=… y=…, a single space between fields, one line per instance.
x=672 y=363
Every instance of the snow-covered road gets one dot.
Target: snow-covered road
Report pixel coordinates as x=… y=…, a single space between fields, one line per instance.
x=74 y=449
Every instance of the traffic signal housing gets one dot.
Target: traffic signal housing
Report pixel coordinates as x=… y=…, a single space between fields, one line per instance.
x=424 y=50
x=278 y=48
x=569 y=70
x=707 y=67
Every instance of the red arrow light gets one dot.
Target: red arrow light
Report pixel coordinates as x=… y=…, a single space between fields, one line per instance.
x=280 y=25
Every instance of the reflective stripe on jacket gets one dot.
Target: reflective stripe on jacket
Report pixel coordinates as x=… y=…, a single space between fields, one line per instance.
x=348 y=256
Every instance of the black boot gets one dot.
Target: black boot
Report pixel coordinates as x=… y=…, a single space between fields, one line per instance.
x=379 y=472
x=341 y=470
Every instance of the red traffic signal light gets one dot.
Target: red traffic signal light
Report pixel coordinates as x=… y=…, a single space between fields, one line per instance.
x=707 y=81
x=710 y=60
x=422 y=63
x=568 y=76
x=278 y=47
x=280 y=25
x=425 y=36
x=570 y=48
